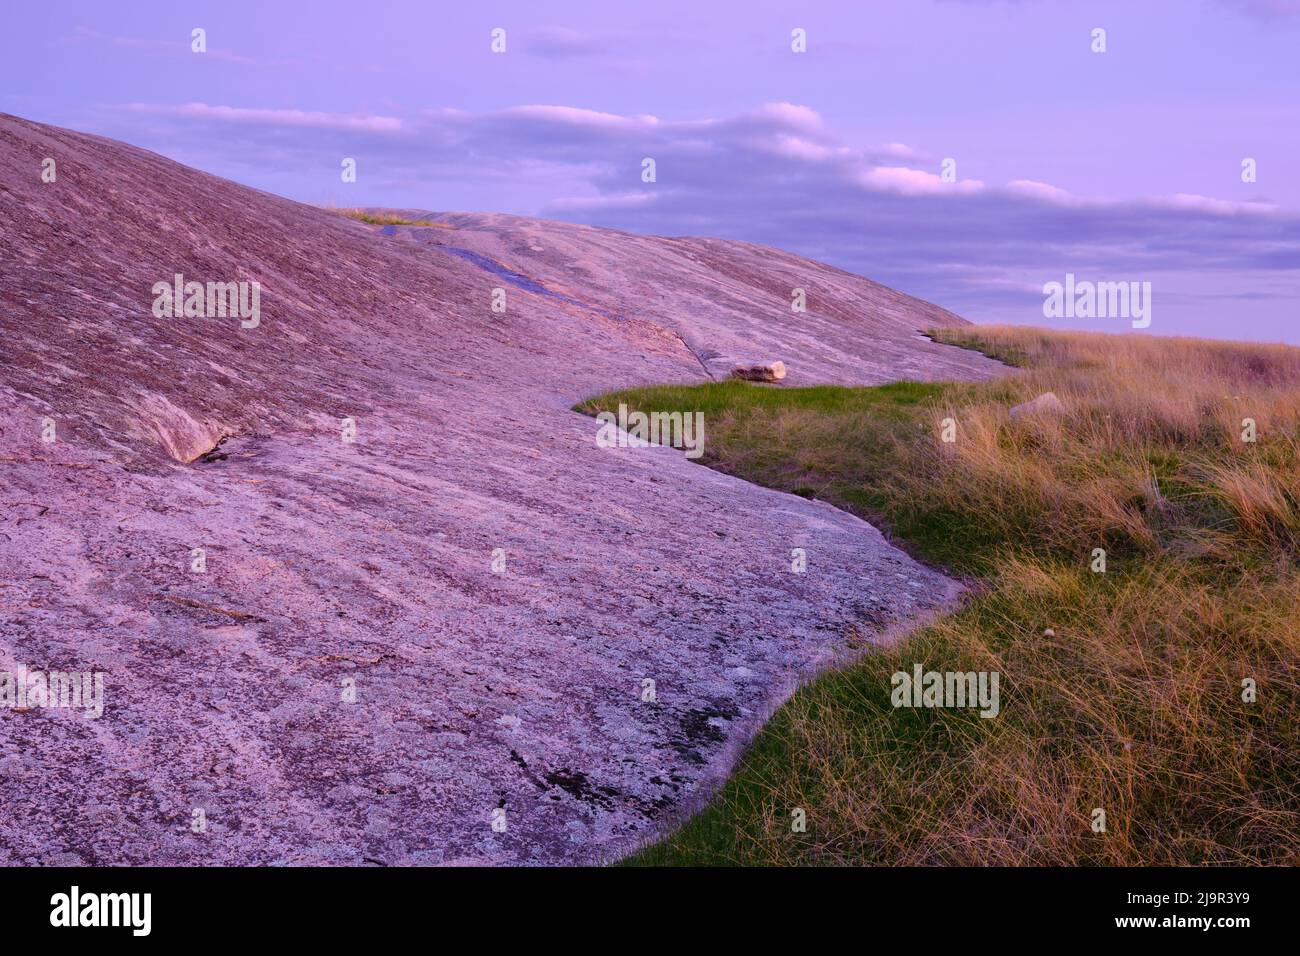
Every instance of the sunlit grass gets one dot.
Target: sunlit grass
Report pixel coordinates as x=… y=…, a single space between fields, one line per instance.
x=388 y=219
x=1133 y=702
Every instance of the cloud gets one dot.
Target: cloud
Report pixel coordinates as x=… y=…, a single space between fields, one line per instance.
x=617 y=52
x=233 y=115
x=915 y=182
x=562 y=43
x=1216 y=207
x=177 y=47
x=617 y=201
x=1264 y=9
x=1046 y=192
x=1259 y=9
x=777 y=174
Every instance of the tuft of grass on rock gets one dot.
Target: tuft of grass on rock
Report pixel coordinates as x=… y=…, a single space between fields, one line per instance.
x=389 y=219
x=1120 y=690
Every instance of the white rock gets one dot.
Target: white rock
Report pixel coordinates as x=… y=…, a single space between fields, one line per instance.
x=1047 y=403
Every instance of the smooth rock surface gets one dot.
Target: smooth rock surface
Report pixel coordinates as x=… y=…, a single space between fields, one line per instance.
x=452 y=615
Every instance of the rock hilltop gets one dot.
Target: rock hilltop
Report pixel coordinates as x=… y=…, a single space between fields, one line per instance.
x=361 y=586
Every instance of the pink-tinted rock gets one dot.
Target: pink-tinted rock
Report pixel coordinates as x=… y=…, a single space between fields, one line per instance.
x=456 y=611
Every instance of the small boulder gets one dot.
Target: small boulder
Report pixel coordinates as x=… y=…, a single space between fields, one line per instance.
x=760 y=372
x=1047 y=403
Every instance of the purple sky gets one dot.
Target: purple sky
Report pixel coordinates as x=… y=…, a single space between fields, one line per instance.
x=1123 y=165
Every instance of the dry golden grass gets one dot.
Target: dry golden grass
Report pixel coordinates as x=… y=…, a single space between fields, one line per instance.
x=1120 y=690
x=387 y=219
x=1149 y=453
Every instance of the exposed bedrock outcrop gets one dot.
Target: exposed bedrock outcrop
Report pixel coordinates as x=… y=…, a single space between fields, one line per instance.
x=408 y=611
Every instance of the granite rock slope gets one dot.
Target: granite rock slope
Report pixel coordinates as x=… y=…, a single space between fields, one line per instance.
x=361 y=586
